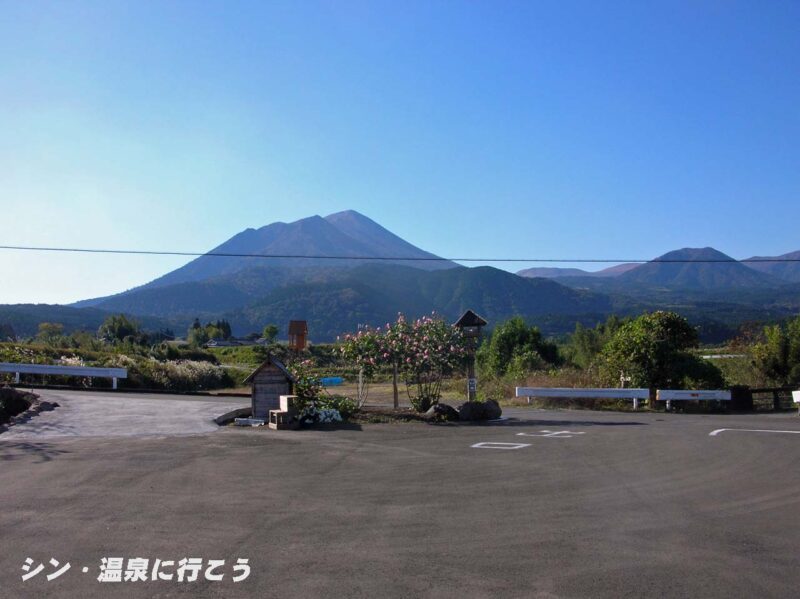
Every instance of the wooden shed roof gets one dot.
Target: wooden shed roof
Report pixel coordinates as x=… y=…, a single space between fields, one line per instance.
x=275 y=362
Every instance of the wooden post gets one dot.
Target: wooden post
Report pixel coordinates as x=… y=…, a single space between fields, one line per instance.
x=472 y=384
x=776 y=400
x=395 y=395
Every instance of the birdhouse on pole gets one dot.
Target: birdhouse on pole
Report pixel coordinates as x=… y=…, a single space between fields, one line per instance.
x=471 y=325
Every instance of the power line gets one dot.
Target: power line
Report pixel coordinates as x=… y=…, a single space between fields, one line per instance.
x=384 y=258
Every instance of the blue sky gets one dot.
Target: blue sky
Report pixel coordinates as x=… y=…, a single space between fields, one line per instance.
x=531 y=129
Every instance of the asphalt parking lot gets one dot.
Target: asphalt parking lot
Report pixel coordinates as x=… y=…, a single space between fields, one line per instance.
x=589 y=505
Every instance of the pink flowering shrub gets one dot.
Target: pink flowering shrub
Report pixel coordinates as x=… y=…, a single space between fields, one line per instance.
x=424 y=351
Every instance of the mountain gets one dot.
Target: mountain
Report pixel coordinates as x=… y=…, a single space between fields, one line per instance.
x=345 y=234
x=336 y=296
x=696 y=269
x=374 y=294
x=786 y=271
x=557 y=273
x=613 y=271
x=547 y=272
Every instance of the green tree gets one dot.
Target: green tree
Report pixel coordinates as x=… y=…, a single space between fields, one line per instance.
x=270 y=333
x=119 y=327
x=515 y=348
x=223 y=329
x=584 y=345
x=197 y=336
x=654 y=351
x=50 y=332
x=777 y=356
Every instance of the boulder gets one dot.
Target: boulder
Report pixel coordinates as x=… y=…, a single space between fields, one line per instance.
x=441 y=412
x=471 y=410
x=479 y=410
x=492 y=409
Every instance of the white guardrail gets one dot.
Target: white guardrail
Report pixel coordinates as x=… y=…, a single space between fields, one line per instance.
x=52 y=369
x=667 y=395
x=569 y=392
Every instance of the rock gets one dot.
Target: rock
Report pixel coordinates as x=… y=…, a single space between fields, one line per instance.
x=441 y=412
x=471 y=410
x=492 y=409
x=479 y=410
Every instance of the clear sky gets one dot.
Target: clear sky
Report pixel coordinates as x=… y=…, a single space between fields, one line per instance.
x=533 y=129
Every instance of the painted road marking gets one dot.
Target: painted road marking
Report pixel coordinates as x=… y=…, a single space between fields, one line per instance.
x=553 y=434
x=749 y=430
x=493 y=445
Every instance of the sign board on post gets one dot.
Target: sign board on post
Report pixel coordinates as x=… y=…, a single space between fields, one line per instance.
x=472 y=386
x=796 y=396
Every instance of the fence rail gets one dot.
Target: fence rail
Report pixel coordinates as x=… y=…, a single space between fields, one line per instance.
x=668 y=395
x=55 y=369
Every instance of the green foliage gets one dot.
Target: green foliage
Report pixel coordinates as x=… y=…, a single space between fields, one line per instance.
x=199 y=334
x=777 y=355
x=346 y=406
x=244 y=355
x=653 y=350
x=307 y=386
x=50 y=333
x=584 y=345
x=515 y=348
x=174 y=375
x=270 y=333
x=164 y=366
x=118 y=328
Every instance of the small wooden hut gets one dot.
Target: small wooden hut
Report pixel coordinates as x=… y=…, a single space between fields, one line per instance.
x=298 y=334
x=269 y=381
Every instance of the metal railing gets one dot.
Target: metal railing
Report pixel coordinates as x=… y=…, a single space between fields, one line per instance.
x=54 y=369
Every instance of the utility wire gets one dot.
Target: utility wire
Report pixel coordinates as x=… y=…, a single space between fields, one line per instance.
x=385 y=258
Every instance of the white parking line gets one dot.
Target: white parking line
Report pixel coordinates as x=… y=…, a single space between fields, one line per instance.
x=552 y=434
x=749 y=430
x=494 y=445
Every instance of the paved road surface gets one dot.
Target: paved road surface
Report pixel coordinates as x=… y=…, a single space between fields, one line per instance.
x=114 y=414
x=638 y=505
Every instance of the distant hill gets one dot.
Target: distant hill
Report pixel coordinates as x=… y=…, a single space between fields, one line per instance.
x=556 y=273
x=613 y=271
x=374 y=294
x=25 y=318
x=696 y=269
x=786 y=271
x=546 y=272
